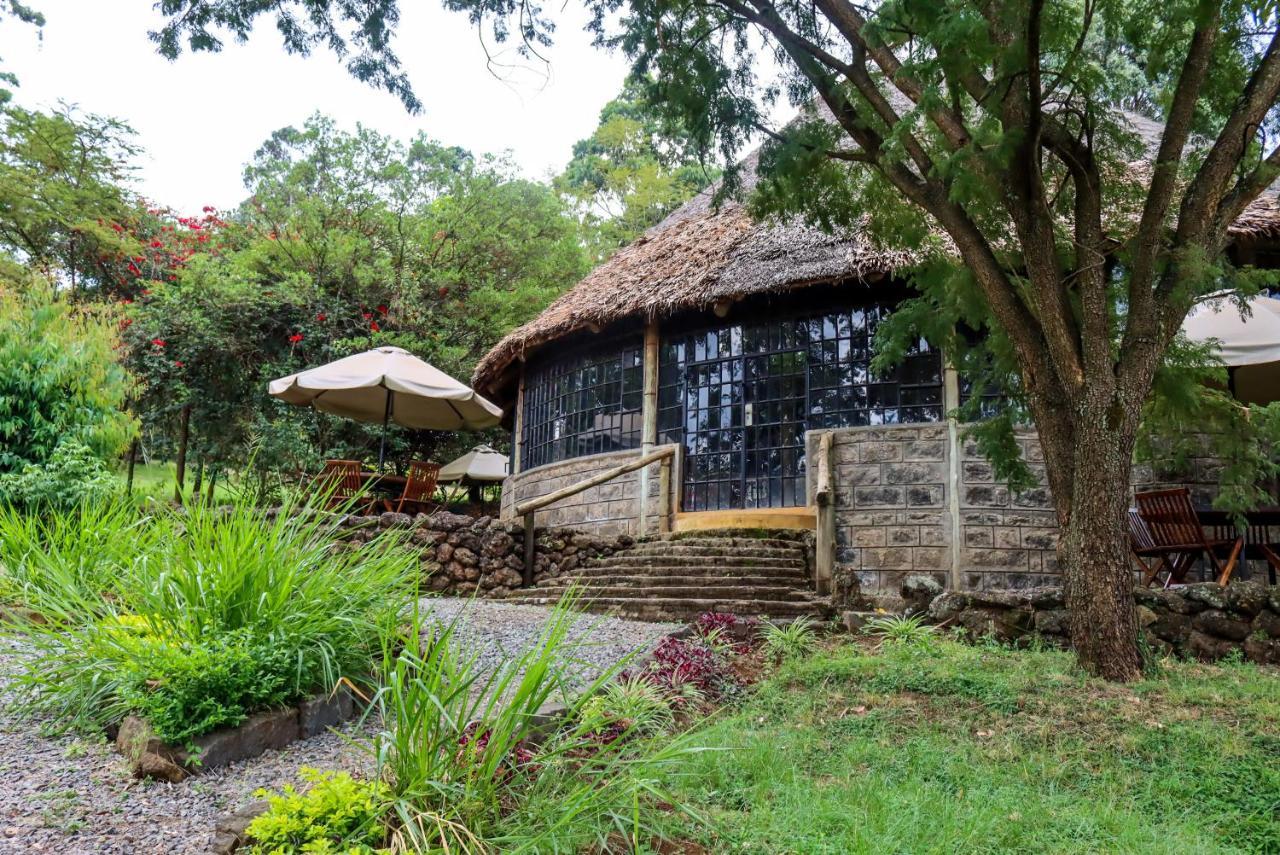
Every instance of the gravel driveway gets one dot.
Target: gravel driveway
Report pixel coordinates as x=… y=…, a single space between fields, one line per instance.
x=69 y=795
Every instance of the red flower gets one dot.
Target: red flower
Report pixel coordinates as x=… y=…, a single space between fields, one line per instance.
x=179 y=363
x=320 y=317
x=208 y=209
x=295 y=338
x=367 y=315
x=444 y=292
x=382 y=310
x=158 y=342
x=155 y=244
x=373 y=326
x=125 y=302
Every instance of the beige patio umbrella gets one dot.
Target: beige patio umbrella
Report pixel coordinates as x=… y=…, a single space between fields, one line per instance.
x=1249 y=346
x=478 y=467
x=388 y=384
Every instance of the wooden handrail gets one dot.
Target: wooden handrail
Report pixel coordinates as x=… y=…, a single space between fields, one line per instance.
x=527 y=509
x=595 y=480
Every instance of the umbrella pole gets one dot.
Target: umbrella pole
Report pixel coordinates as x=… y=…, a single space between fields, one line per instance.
x=382 y=447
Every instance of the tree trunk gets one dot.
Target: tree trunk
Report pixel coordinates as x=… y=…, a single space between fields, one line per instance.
x=133 y=460
x=184 y=436
x=199 y=482
x=213 y=483
x=1094 y=554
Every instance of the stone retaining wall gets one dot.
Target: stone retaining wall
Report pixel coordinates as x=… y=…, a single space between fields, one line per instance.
x=609 y=509
x=1203 y=621
x=896 y=514
x=463 y=555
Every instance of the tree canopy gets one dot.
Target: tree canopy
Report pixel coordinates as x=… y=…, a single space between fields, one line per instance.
x=1006 y=142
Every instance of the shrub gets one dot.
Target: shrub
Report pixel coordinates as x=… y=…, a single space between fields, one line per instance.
x=471 y=767
x=337 y=815
x=184 y=690
x=679 y=666
x=72 y=476
x=273 y=594
x=61 y=387
x=789 y=641
x=630 y=705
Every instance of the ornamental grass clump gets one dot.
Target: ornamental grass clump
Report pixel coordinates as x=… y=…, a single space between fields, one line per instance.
x=471 y=763
x=211 y=615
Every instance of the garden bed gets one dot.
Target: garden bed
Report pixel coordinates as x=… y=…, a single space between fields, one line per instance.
x=151 y=757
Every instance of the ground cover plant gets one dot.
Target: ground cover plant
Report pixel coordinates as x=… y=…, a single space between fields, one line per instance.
x=467 y=760
x=878 y=744
x=201 y=617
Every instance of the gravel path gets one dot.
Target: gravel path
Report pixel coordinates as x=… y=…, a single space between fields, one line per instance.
x=68 y=795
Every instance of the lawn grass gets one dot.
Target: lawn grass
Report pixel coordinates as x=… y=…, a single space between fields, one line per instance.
x=952 y=748
x=156 y=481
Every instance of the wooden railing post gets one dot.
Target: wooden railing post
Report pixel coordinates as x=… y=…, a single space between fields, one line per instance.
x=530 y=546
x=825 y=536
x=664 y=496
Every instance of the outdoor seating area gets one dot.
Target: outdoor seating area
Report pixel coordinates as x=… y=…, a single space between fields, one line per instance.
x=1170 y=536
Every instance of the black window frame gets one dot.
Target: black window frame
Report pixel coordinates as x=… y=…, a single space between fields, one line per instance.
x=566 y=394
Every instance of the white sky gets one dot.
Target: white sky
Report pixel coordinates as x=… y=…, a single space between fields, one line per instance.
x=201 y=117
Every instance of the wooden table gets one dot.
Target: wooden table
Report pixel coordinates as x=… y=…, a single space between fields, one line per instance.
x=1260 y=537
x=383 y=482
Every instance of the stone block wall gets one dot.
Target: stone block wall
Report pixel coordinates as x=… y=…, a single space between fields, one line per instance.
x=1007 y=539
x=463 y=555
x=891 y=501
x=609 y=509
x=903 y=508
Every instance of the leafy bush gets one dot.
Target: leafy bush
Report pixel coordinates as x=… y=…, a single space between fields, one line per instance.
x=689 y=669
x=274 y=595
x=472 y=768
x=72 y=476
x=337 y=815
x=789 y=641
x=61 y=387
x=189 y=689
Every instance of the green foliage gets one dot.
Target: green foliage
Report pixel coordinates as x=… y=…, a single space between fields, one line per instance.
x=901 y=630
x=73 y=475
x=337 y=815
x=61 y=387
x=631 y=703
x=62 y=189
x=288 y=609
x=791 y=640
x=471 y=768
x=184 y=690
x=63 y=562
x=964 y=749
x=631 y=172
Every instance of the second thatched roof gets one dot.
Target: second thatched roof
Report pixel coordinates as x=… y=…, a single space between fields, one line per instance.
x=701 y=255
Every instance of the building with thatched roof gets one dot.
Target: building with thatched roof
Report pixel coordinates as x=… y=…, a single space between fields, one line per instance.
x=740 y=344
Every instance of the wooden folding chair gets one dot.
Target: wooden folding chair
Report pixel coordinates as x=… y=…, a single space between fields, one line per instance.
x=1260 y=543
x=342 y=481
x=1179 y=539
x=419 y=487
x=1142 y=548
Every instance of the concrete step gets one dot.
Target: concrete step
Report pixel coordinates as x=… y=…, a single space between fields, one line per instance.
x=629 y=559
x=798 y=574
x=722 y=543
x=680 y=580
x=688 y=608
x=770 y=593
x=718 y=551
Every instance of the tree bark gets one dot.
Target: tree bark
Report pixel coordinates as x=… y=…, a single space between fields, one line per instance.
x=184 y=436
x=1093 y=549
x=133 y=461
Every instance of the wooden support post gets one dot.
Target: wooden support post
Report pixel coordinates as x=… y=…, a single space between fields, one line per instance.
x=530 y=546
x=517 y=438
x=664 y=496
x=648 y=417
x=825 y=535
x=951 y=402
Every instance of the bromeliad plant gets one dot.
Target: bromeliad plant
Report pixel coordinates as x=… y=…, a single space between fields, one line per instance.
x=211 y=615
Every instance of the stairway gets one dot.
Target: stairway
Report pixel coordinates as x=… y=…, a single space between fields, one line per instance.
x=681 y=576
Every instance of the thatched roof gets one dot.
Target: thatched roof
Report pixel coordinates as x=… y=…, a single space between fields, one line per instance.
x=701 y=255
